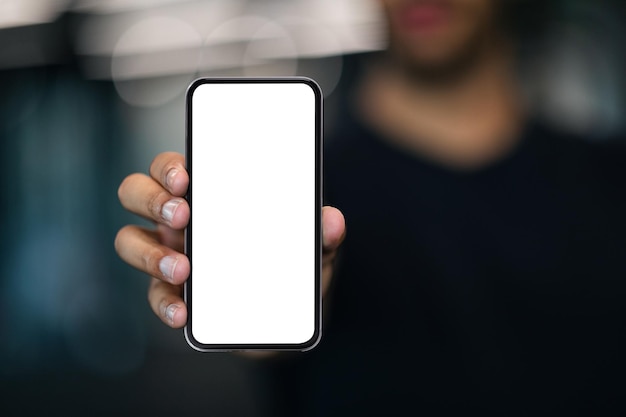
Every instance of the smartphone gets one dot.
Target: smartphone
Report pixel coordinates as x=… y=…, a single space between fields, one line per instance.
x=253 y=153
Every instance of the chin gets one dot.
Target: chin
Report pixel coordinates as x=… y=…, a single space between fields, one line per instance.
x=434 y=63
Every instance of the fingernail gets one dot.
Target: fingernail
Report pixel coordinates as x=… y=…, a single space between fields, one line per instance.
x=169 y=208
x=167 y=265
x=169 y=178
x=170 y=310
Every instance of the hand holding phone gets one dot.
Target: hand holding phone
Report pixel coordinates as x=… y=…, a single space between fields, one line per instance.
x=159 y=197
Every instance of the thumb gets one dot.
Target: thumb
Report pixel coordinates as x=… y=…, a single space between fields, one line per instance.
x=333 y=228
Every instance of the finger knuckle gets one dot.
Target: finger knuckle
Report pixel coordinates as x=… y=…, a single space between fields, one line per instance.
x=156 y=201
x=151 y=259
x=162 y=160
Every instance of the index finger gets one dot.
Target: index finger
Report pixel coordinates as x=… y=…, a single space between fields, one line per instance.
x=168 y=169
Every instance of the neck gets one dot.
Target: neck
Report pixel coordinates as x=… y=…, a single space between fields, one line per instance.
x=464 y=121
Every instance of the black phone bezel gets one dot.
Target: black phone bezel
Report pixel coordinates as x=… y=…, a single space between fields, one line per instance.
x=187 y=292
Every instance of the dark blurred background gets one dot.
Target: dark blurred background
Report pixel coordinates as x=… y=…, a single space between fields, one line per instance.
x=92 y=90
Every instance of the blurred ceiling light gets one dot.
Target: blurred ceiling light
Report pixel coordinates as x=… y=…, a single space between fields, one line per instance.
x=178 y=47
x=249 y=41
x=157 y=34
x=241 y=28
x=99 y=34
x=271 y=51
x=175 y=61
x=116 y=6
x=251 y=37
x=29 y=12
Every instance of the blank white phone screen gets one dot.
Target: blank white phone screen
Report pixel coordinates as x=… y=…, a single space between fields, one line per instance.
x=253 y=204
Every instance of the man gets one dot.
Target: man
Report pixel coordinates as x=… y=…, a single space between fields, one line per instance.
x=483 y=270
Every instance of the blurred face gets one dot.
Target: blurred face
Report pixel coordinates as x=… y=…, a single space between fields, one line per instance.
x=438 y=36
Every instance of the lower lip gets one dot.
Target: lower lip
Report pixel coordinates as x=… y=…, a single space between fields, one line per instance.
x=423 y=17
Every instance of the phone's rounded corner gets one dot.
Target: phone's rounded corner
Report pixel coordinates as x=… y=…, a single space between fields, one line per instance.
x=310 y=82
x=191 y=341
x=312 y=343
x=191 y=88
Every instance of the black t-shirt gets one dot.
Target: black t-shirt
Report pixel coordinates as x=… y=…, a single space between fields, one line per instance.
x=500 y=290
